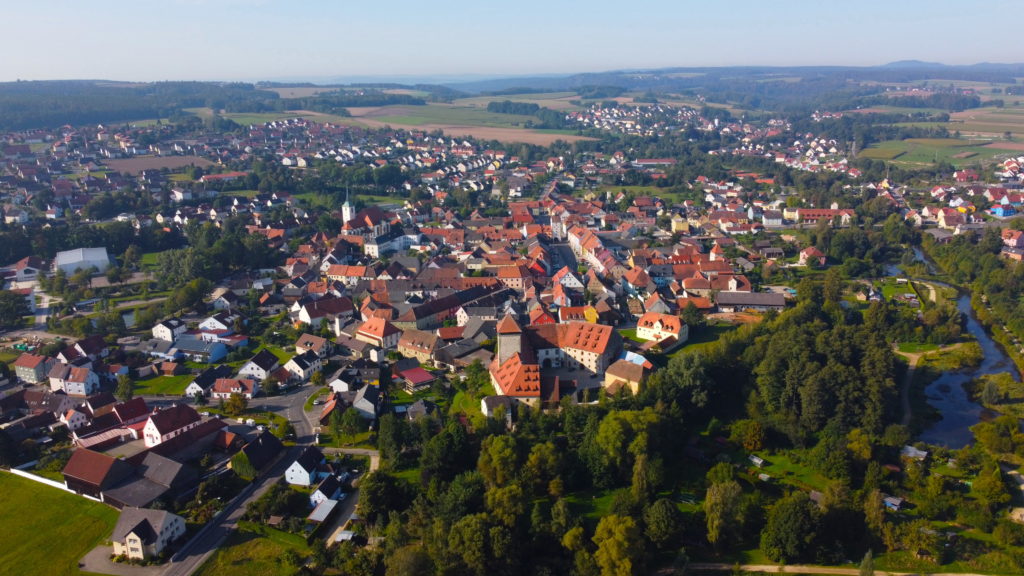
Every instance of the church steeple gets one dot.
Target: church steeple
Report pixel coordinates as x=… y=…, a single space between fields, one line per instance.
x=347 y=211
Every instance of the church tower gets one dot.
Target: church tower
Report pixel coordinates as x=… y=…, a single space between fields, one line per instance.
x=347 y=211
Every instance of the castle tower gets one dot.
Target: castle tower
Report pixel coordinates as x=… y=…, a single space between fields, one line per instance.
x=510 y=338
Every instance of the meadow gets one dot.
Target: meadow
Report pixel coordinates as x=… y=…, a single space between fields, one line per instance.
x=54 y=529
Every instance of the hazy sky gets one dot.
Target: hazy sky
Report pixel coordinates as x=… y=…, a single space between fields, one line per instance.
x=268 y=39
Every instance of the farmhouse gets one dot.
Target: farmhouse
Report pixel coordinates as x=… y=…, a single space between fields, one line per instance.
x=142 y=533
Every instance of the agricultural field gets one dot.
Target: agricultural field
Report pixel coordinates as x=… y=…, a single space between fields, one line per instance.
x=923 y=151
x=300 y=91
x=47 y=519
x=460 y=121
x=552 y=100
x=139 y=163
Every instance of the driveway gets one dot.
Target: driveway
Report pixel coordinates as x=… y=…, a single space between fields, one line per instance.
x=98 y=561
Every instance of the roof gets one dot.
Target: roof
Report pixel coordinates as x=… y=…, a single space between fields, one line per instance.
x=668 y=322
x=378 y=328
x=143 y=522
x=322 y=511
x=80 y=255
x=265 y=360
x=262 y=449
x=27 y=360
x=750 y=299
x=174 y=418
x=310 y=458
x=132 y=409
x=417 y=376
x=95 y=468
x=508 y=325
x=626 y=370
x=310 y=342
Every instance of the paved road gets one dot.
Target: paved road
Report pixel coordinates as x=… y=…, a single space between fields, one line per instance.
x=564 y=256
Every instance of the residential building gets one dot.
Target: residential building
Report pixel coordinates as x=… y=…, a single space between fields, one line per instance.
x=141 y=533
x=168 y=423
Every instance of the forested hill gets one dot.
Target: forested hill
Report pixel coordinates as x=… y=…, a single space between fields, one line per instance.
x=49 y=104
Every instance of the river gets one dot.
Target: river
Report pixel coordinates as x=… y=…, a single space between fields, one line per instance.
x=946 y=393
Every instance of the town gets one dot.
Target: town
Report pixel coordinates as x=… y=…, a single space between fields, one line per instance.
x=364 y=347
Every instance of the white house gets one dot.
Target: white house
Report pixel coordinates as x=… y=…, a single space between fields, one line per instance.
x=81 y=259
x=306 y=469
x=168 y=423
x=304 y=365
x=74 y=380
x=142 y=533
x=260 y=366
x=169 y=329
x=328 y=489
x=225 y=387
x=74 y=419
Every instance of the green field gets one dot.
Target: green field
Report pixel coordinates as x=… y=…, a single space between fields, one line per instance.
x=254 y=550
x=48 y=530
x=453 y=115
x=158 y=385
x=553 y=100
x=918 y=151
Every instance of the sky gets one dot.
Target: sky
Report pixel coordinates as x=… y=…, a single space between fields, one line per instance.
x=328 y=40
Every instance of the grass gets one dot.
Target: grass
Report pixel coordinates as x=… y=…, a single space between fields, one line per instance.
x=319 y=393
x=592 y=505
x=707 y=336
x=454 y=115
x=916 y=348
x=253 y=550
x=783 y=469
x=163 y=385
x=630 y=334
x=465 y=404
x=54 y=528
x=925 y=151
x=1011 y=393
x=148 y=260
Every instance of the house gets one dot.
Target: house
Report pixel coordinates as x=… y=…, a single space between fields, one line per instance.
x=491 y=405
x=32 y=368
x=415 y=378
x=624 y=373
x=91 y=473
x=310 y=343
x=168 y=423
x=81 y=259
x=1012 y=238
x=260 y=366
x=656 y=327
x=199 y=350
x=379 y=332
x=303 y=366
x=74 y=419
x=221 y=322
x=28 y=268
x=811 y=256
x=141 y=533
x=418 y=344
x=307 y=469
x=367 y=401
x=205 y=380
x=74 y=380
x=420 y=409
x=262 y=450
x=328 y=489
x=169 y=329
x=223 y=388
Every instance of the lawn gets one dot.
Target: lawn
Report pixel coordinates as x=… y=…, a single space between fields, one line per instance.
x=706 y=336
x=54 y=528
x=148 y=260
x=916 y=347
x=592 y=505
x=630 y=334
x=161 y=385
x=465 y=404
x=253 y=550
x=784 y=470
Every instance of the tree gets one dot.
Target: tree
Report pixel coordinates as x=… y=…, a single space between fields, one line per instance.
x=619 y=546
x=12 y=308
x=351 y=423
x=867 y=565
x=392 y=435
x=664 y=523
x=990 y=393
x=748 y=433
x=498 y=461
x=236 y=404
x=722 y=507
x=242 y=466
x=125 y=388
x=792 y=526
